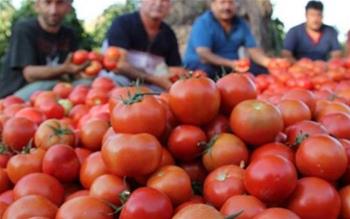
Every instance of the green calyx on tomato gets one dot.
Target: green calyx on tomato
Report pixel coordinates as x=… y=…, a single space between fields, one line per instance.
x=235 y=215
x=61 y=131
x=136 y=98
x=300 y=138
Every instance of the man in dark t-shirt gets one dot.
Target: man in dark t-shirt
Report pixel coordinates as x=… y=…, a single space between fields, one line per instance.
x=145 y=32
x=312 y=39
x=38 y=52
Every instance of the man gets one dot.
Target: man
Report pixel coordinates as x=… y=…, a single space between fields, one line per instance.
x=312 y=39
x=216 y=37
x=147 y=38
x=37 y=47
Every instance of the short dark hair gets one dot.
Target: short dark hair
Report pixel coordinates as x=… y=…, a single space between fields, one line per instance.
x=317 y=5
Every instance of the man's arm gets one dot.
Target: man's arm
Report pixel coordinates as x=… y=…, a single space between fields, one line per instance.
x=259 y=56
x=288 y=55
x=209 y=57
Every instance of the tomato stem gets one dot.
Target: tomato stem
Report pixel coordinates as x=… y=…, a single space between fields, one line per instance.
x=137 y=97
x=233 y=216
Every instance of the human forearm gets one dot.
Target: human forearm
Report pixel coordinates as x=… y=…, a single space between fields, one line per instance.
x=288 y=55
x=37 y=73
x=209 y=57
x=259 y=57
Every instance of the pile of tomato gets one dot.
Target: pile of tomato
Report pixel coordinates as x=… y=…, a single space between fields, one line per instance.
x=273 y=146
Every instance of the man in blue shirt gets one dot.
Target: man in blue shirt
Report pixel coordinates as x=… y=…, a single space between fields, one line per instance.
x=312 y=39
x=216 y=37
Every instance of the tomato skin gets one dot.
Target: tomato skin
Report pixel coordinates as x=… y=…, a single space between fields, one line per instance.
x=7 y=197
x=198 y=211
x=103 y=83
x=89 y=207
x=194 y=200
x=132 y=155
x=147 y=203
x=277 y=213
x=53 y=132
x=93 y=69
x=344 y=194
x=80 y=56
x=271 y=178
x=172 y=181
x=220 y=124
x=235 y=88
x=31 y=206
x=273 y=149
x=61 y=162
x=17 y=132
x=303 y=95
x=91 y=168
x=39 y=184
x=226 y=149
x=195 y=170
x=184 y=142
x=250 y=205
x=152 y=120
x=294 y=111
x=187 y=98
x=315 y=198
x=316 y=155
x=32 y=114
x=92 y=132
x=256 y=122
x=63 y=89
x=222 y=183
x=338 y=124
x=308 y=128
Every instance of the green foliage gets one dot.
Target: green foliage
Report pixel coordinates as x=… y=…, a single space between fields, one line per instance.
x=277 y=34
x=6 y=13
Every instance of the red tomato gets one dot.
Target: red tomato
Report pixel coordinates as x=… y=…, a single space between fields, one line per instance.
x=271 y=178
x=61 y=162
x=78 y=95
x=79 y=57
x=31 y=206
x=315 y=198
x=93 y=69
x=95 y=55
x=108 y=188
x=92 y=132
x=184 y=142
x=338 y=124
x=39 y=184
x=249 y=205
x=132 y=111
x=294 y=111
x=187 y=98
x=235 y=88
x=172 y=181
x=256 y=122
x=225 y=149
x=277 y=213
x=89 y=207
x=10 y=100
x=167 y=159
x=76 y=194
x=91 y=168
x=5 y=182
x=301 y=130
x=103 y=83
x=273 y=149
x=198 y=211
x=316 y=155
x=32 y=114
x=195 y=170
x=222 y=183
x=113 y=53
x=194 y=200
x=18 y=132
x=78 y=111
x=346 y=176
x=147 y=203
x=303 y=95
x=220 y=124
x=63 y=89
x=7 y=197
x=3 y=207
x=132 y=155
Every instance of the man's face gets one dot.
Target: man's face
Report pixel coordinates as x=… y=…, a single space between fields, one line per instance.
x=53 y=11
x=156 y=9
x=314 y=19
x=223 y=9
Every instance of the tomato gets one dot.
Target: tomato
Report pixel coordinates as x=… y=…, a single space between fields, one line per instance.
x=256 y=122
x=109 y=64
x=172 y=181
x=18 y=132
x=31 y=206
x=96 y=97
x=63 y=89
x=277 y=213
x=25 y=163
x=80 y=56
x=298 y=132
x=10 y=100
x=273 y=149
x=78 y=111
x=53 y=132
x=271 y=178
x=13 y=109
x=222 y=183
x=195 y=170
x=132 y=111
x=333 y=107
x=184 y=142
x=39 y=184
x=7 y=197
x=338 y=124
x=166 y=159
x=113 y=53
x=95 y=55
x=249 y=205
x=345 y=202
x=194 y=200
x=91 y=168
x=86 y=206
x=103 y=83
x=224 y=149
x=187 y=97
x=220 y=124
x=147 y=203
x=76 y=194
x=82 y=154
x=316 y=155
x=303 y=95
x=108 y=188
x=3 y=207
x=198 y=211
x=61 y=162
x=294 y=111
x=92 y=132
x=315 y=198
x=120 y=93
x=5 y=156
x=235 y=88
x=78 y=95
x=32 y=114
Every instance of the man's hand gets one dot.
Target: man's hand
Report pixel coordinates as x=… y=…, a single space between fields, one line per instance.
x=69 y=68
x=161 y=81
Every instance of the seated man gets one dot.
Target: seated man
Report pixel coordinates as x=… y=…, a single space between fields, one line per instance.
x=312 y=39
x=37 y=47
x=142 y=33
x=216 y=37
